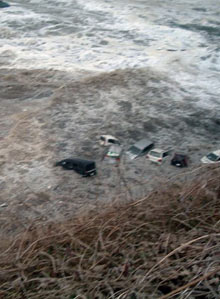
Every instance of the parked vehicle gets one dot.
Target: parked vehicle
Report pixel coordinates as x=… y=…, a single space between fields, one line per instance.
x=179 y=160
x=213 y=157
x=81 y=166
x=140 y=148
x=3 y=4
x=158 y=155
x=114 y=151
x=113 y=154
x=107 y=140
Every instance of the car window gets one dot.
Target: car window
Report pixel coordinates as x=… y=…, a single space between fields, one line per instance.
x=146 y=148
x=165 y=154
x=102 y=138
x=134 y=150
x=212 y=157
x=154 y=154
x=111 y=140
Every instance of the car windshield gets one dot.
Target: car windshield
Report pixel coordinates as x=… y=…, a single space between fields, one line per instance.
x=111 y=140
x=134 y=150
x=155 y=154
x=212 y=157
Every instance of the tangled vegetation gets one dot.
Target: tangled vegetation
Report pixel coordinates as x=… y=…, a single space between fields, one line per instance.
x=166 y=245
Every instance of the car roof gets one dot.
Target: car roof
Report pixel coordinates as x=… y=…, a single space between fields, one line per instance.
x=108 y=137
x=114 y=151
x=180 y=155
x=217 y=152
x=143 y=143
x=115 y=148
x=158 y=150
x=79 y=160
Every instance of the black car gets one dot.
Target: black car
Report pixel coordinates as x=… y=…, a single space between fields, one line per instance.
x=81 y=166
x=179 y=160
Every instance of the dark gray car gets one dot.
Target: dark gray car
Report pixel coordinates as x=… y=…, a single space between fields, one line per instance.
x=139 y=148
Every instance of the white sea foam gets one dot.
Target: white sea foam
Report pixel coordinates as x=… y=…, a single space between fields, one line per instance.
x=107 y=35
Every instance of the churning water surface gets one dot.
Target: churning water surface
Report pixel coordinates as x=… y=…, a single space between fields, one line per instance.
x=73 y=70
x=179 y=38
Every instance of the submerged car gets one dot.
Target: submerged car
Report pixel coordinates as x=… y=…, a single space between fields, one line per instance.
x=113 y=154
x=84 y=167
x=3 y=4
x=158 y=155
x=213 y=157
x=139 y=148
x=179 y=160
x=107 y=140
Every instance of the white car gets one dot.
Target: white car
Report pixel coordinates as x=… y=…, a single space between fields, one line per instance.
x=213 y=157
x=113 y=154
x=107 y=140
x=158 y=155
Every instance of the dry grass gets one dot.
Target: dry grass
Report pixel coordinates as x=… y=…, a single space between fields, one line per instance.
x=166 y=245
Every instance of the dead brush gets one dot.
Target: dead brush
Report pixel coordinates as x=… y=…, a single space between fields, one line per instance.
x=165 y=245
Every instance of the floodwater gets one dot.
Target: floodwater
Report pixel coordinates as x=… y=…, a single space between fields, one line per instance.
x=73 y=70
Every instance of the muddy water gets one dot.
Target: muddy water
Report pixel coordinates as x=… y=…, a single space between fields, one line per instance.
x=46 y=116
x=74 y=71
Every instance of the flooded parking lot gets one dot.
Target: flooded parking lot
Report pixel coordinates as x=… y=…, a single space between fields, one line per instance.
x=48 y=116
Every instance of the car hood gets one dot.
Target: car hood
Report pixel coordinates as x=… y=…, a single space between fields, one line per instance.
x=131 y=156
x=205 y=159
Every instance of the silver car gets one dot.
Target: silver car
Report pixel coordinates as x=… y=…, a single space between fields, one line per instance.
x=113 y=154
x=158 y=155
x=139 y=148
x=213 y=157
